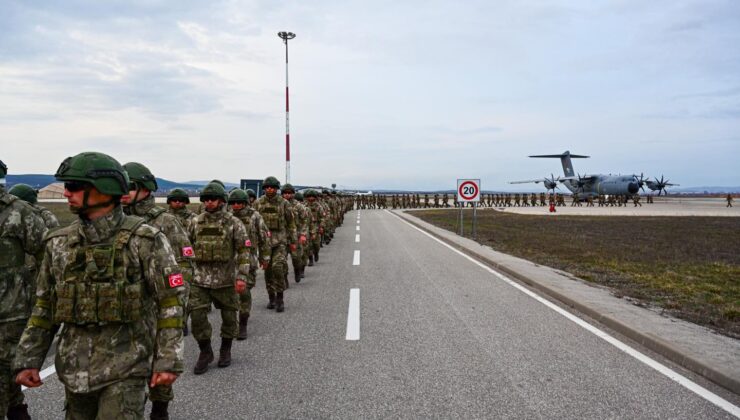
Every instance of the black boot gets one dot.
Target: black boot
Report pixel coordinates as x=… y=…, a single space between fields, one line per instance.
x=279 y=306
x=316 y=257
x=18 y=412
x=303 y=272
x=159 y=410
x=224 y=354
x=271 y=305
x=285 y=278
x=310 y=260
x=243 y=318
x=297 y=275
x=204 y=358
x=185 y=330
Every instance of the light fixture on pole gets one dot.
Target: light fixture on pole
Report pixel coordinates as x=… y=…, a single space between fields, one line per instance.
x=285 y=36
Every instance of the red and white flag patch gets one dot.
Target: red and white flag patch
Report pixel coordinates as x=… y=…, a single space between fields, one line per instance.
x=248 y=243
x=187 y=251
x=269 y=234
x=176 y=280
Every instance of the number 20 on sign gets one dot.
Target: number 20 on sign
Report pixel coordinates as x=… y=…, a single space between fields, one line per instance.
x=468 y=190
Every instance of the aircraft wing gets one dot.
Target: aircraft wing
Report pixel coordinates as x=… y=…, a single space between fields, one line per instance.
x=536 y=181
x=575 y=178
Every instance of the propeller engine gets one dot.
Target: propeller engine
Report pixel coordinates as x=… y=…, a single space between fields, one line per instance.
x=659 y=185
x=551 y=183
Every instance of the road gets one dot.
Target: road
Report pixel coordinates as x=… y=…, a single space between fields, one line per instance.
x=438 y=337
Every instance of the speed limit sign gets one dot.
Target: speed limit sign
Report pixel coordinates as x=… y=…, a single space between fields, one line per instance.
x=468 y=190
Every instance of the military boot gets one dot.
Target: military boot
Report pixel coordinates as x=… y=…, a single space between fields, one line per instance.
x=159 y=410
x=297 y=275
x=285 y=278
x=185 y=330
x=316 y=257
x=279 y=306
x=303 y=272
x=224 y=354
x=271 y=305
x=18 y=412
x=310 y=260
x=204 y=358
x=243 y=318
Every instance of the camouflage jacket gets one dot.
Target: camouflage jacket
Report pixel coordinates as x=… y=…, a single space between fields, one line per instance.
x=50 y=220
x=168 y=224
x=221 y=252
x=302 y=217
x=317 y=217
x=93 y=355
x=21 y=239
x=278 y=218
x=256 y=230
x=184 y=216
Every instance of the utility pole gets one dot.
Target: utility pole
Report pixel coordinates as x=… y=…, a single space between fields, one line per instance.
x=285 y=36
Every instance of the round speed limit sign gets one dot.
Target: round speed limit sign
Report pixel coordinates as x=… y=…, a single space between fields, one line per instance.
x=468 y=190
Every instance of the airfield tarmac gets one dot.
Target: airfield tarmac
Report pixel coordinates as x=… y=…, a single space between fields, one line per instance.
x=663 y=206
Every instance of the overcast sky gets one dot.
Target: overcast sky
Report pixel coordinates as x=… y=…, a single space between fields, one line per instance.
x=384 y=94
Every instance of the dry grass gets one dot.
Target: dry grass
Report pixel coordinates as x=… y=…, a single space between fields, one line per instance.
x=688 y=266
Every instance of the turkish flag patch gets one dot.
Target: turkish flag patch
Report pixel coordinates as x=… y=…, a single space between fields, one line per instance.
x=187 y=251
x=248 y=243
x=175 y=280
x=269 y=234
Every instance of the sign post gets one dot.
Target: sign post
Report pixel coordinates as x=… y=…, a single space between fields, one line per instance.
x=468 y=191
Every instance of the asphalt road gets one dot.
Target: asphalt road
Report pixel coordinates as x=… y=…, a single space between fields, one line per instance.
x=439 y=337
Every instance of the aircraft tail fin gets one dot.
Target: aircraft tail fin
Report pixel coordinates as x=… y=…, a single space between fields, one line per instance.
x=565 y=159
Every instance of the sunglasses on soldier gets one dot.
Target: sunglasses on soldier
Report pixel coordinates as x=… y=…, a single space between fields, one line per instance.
x=75 y=186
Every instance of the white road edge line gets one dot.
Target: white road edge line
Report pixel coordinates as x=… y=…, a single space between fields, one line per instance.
x=356 y=258
x=665 y=370
x=357 y=238
x=353 y=315
x=44 y=373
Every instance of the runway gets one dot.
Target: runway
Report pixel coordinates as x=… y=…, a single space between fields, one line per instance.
x=430 y=335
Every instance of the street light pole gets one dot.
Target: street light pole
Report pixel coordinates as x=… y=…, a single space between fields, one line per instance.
x=285 y=36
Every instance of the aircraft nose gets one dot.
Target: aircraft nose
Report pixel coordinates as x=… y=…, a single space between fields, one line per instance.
x=633 y=188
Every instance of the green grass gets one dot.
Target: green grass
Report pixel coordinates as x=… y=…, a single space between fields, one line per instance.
x=688 y=266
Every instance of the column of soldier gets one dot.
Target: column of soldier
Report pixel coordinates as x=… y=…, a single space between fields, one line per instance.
x=119 y=283
x=418 y=201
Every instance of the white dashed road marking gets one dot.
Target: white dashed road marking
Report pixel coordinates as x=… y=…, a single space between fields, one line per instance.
x=356 y=258
x=357 y=238
x=353 y=315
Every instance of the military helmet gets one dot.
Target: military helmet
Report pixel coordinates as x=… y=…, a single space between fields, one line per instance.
x=271 y=181
x=238 y=196
x=99 y=169
x=299 y=196
x=213 y=189
x=141 y=174
x=288 y=188
x=219 y=182
x=25 y=192
x=3 y=170
x=179 y=194
x=250 y=192
x=326 y=192
x=309 y=193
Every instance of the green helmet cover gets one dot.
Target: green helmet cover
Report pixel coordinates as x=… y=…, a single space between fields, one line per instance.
x=271 y=181
x=251 y=193
x=288 y=188
x=178 y=193
x=219 y=182
x=213 y=189
x=238 y=196
x=299 y=196
x=141 y=175
x=99 y=169
x=24 y=192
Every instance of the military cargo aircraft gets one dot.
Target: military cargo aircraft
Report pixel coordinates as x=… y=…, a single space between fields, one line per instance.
x=585 y=185
x=659 y=185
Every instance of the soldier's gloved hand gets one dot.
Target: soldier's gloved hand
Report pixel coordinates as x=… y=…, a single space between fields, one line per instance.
x=162 y=378
x=302 y=239
x=293 y=247
x=29 y=378
x=240 y=286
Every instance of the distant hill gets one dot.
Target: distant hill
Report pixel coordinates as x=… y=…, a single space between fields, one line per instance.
x=40 y=181
x=228 y=185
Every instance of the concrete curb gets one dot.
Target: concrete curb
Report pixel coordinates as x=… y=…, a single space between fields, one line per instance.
x=647 y=340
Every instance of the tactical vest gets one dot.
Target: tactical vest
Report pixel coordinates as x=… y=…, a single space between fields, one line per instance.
x=212 y=241
x=11 y=249
x=273 y=216
x=98 y=285
x=153 y=213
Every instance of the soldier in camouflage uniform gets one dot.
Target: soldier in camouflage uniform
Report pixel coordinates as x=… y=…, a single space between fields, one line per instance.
x=309 y=221
x=140 y=202
x=21 y=238
x=301 y=217
x=30 y=196
x=279 y=219
x=177 y=205
x=223 y=257
x=259 y=248
x=316 y=228
x=111 y=285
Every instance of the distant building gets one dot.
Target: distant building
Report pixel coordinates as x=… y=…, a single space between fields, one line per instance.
x=52 y=191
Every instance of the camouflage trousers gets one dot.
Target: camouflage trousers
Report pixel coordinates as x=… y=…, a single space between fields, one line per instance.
x=224 y=299
x=121 y=400
x=10 y=392
x=245 y=298
x=297 y=256
x=275 y=273
x=314 y=245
